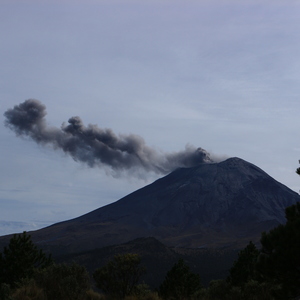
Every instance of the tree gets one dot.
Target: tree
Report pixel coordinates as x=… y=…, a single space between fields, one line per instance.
x=243 y=268
x=120 y=276
x=298 y=169
x=279 y=261
x=180 y=282
x=63 y=281
x=20 y=258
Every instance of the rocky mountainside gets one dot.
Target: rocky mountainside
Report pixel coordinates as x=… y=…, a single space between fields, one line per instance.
x=218 y=205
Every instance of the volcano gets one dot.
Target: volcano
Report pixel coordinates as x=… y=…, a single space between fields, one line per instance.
x=212 y=205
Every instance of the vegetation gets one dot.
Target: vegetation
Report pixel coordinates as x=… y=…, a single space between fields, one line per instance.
x=243 y=269
x=20 y=259
x=180 y=282
x=279 y=260
x=120 y=277
x=56 y=282
x=63 y=282
x=274 y=270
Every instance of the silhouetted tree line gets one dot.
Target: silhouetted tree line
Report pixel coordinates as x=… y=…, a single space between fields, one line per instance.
x=273 y=272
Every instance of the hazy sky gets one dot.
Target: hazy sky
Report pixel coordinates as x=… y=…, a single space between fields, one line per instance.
x=221 y=75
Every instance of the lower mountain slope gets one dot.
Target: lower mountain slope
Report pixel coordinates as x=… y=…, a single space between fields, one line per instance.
x=158 y=259
x=212 y=205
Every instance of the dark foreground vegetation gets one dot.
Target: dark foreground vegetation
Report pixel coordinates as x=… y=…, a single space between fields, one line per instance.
x=271 y=272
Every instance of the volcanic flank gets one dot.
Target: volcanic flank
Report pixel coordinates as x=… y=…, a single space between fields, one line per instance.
x=224 y=204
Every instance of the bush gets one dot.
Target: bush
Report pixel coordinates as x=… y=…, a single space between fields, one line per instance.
x=218 y=289
x=29 y=291
x=149 y=296
x=119 y=278
x=64 y=282
x=254 y=290
x=92 y=295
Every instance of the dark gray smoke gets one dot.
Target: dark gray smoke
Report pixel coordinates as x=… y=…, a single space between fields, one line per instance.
x=95 y=146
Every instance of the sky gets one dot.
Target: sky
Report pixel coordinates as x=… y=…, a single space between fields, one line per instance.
x=175 y=75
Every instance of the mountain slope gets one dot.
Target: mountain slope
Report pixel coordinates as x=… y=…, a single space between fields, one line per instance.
x=159 y=259
x=222 y=204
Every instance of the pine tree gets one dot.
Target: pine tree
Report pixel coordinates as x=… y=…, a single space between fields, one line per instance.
x=279 y=261
x=243 y=268
x=20 y=258
x=180 y=282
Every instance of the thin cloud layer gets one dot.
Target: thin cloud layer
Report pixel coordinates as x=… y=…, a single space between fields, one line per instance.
x=95 y=146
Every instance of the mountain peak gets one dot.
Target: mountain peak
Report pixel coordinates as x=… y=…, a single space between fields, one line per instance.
x=223 y=204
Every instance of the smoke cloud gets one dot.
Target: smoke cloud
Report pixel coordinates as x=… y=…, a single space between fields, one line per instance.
x=98 y=147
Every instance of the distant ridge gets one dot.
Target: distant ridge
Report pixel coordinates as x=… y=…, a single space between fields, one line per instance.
x=219 y=205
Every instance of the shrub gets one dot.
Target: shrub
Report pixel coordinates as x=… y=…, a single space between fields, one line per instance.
x=29 y=291
x=92 y=295
x=64 y=282
x=119 y=278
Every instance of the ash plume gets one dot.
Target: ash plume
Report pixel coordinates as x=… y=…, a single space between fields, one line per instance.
x=95 y=146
